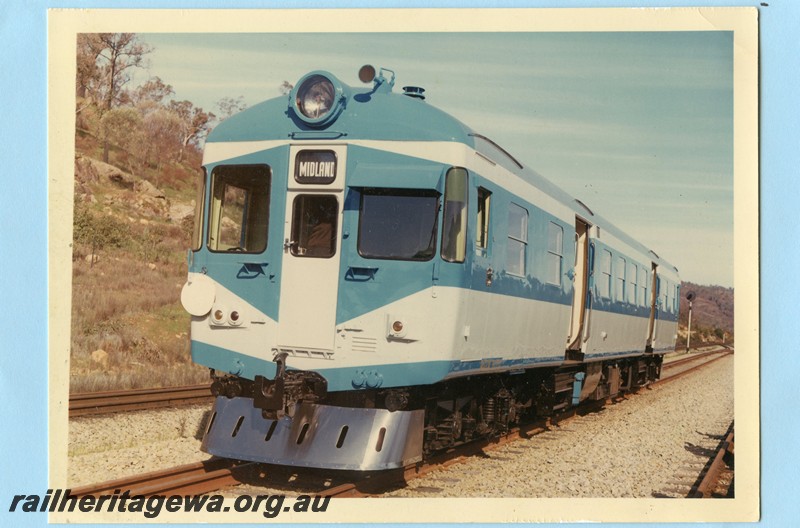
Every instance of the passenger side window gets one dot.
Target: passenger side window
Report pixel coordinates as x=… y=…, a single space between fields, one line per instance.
x=555 y=245
x=643 y=300
x=672 y=297
x=620 y=294
x=631 y=293
x=517 y=240
x=604 y=286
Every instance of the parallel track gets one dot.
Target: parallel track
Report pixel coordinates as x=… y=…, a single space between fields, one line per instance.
x=672 y=365
x=189 y=479
x=698 y=355
x=136 y=400
x=707 y=482
x=215 y=474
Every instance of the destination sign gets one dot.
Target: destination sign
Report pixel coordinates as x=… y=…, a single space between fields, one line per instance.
x=315 y=167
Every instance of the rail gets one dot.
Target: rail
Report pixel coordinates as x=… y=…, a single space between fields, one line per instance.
x=704 y=487
x=135 y=400
x=188 y=479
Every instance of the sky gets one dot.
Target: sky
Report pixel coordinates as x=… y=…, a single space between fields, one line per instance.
x=639 y=126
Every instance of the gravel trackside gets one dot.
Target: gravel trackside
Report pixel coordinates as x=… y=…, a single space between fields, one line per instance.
x=109 y=447
x=640 y=447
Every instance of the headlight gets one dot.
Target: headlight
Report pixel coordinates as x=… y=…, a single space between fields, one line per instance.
x=315 y=97
x=318 y=98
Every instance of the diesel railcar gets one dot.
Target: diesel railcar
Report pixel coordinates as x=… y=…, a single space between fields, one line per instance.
x=371 y=281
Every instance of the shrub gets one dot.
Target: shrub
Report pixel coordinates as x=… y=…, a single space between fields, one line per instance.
x=97 y=231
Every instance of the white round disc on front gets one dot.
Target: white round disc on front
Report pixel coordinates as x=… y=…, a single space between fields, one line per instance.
x=198 y=294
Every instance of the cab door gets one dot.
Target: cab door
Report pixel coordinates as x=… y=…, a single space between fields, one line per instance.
x=311 y=248
x=241 y=255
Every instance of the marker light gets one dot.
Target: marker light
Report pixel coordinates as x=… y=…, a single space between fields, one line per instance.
x=218 y=315
x=367 y=73
x=318 y=98
x=396 y=327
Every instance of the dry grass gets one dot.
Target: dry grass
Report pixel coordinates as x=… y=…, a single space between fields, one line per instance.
x=133 y=314
x=126 y=303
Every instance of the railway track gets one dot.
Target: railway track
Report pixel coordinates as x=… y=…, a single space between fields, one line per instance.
x=136 y=400
x=709 y=481
x=215 y=474
x=677 y=360
x=92 y=403
x=676 y=364
x=188 y=479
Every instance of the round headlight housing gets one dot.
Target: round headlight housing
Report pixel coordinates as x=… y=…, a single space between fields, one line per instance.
x=318 y=98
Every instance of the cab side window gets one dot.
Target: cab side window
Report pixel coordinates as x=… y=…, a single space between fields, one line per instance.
x=482 y=220
x=239 y=212
x=454 y=216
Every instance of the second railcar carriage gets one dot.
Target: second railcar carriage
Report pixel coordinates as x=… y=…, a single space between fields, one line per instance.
x=371 y=280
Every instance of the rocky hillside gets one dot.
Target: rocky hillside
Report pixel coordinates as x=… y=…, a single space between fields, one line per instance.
x=129 y=247
x=121 y=191
x=712 y=310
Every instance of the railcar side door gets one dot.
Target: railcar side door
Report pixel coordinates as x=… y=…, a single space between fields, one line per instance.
x=311 y=249
x=580 y=286
x=652 y=327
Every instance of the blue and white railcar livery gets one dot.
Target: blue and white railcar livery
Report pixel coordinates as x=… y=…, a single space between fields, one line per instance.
x=371 y=281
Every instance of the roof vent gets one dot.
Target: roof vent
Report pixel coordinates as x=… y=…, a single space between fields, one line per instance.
x=414 y=91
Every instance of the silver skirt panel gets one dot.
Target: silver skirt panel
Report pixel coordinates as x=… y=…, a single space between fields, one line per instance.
x=319 y=436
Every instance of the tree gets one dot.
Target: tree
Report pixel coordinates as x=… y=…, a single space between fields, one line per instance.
x=115 y=54
x=162 y=128
x=120 y=52
x=122 y=127
x=285 y=88
x=86 y=78
x=154 y=90
x=229 y=106
x=195 y=124
x=89 y=48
